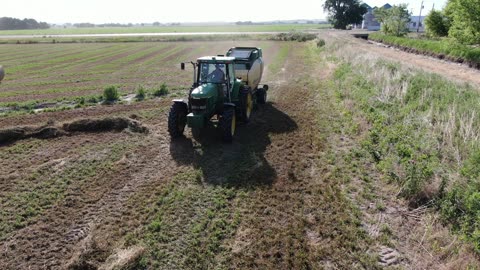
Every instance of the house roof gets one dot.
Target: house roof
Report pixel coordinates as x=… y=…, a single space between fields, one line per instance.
x=387 y=6
x=366 y=5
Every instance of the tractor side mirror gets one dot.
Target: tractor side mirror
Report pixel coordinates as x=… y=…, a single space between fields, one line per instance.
x=182 y=66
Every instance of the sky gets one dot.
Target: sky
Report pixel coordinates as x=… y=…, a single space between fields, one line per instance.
x=147 y=11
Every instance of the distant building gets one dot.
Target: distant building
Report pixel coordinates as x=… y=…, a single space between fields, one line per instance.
x=416 y=24
x=370 y=22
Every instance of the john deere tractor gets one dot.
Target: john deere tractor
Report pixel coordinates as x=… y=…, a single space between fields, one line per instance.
x=216 y=94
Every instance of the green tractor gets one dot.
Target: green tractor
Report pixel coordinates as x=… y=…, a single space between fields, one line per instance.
x=217 y=93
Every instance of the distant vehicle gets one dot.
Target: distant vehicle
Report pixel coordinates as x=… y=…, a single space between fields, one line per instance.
x=223 y=86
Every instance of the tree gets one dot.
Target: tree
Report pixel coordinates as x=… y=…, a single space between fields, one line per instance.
x=437 y=24
x=394 y=20
x=465 y=19
x=7 y=23
x=344 y=12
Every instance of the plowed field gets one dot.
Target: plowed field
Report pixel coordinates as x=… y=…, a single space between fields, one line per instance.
x=281 y=196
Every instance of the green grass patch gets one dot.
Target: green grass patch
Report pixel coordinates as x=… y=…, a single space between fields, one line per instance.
x=189 y=223
x=422 y=135
x=277 y=64
x=442 y=48
x=46 y=185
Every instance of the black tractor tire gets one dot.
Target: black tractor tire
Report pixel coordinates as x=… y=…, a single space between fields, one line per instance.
x=177 y=119
x=228 y=123
x=261 y=96
x=197 y=133
x=246 y=105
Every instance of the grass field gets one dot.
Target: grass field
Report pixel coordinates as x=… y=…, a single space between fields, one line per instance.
x=42 y=73
x=169 y=29
x=304 y=185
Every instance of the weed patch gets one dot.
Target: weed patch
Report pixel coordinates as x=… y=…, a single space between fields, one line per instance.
x=422 y=134
x=443 y=48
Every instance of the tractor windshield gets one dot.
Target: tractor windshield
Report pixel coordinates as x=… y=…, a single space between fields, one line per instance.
x=212 y=73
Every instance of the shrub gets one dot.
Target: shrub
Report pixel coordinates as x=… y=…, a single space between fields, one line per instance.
x=294 y=36
x=110 y=93
x=320 y=42
x=161 y=91
x=394 y=20
x=140 y=93
x=437 y=24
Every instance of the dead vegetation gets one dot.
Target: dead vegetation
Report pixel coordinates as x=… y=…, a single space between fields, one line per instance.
x=83 y=125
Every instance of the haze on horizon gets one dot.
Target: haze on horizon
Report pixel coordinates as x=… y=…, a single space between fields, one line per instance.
x=148 y=11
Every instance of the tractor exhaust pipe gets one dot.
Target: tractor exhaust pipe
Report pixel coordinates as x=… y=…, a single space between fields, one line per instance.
x=2 y=73
x=182 y=67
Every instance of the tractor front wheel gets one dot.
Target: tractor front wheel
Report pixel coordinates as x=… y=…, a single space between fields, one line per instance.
x=228 y=124
x=246 y=105
x=177 y=119
x=261 y=96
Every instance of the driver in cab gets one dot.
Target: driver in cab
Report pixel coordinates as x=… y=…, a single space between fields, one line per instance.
x=217 y=76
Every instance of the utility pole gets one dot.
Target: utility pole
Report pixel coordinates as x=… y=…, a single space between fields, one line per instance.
x=419 y=17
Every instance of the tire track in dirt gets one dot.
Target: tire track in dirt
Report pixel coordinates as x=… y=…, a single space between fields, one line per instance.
x=66 y=228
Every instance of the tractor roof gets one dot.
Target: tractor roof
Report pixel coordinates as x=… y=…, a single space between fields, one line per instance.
x=217 y=59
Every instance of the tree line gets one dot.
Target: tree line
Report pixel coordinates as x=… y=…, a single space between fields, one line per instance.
x=459 y=20
x=7 y=23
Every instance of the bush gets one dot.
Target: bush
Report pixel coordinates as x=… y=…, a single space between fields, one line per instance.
x=437 y=24
x=111 y=93
x=394 y=20
x=465 y=21
x=320 y=42
x=140 y=93
x=161 y=91
x=294 y=36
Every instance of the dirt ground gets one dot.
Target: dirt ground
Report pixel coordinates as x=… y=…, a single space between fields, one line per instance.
x=74 y=202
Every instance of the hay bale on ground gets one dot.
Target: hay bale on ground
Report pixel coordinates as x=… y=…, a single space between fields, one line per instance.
x=83 y=125
x=12 y=134
x=46 y=133
x=107 y=124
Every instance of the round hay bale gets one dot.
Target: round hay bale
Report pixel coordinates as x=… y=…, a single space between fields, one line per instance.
x=2 y=73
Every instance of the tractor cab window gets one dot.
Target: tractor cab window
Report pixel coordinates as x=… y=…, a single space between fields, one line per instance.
x=230 y=71
x=212 y=73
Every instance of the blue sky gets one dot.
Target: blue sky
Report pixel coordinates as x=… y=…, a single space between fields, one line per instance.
x=137 y=11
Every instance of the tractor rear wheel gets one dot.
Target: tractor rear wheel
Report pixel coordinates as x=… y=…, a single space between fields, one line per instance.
x=246 y=105
x=228 y=124
x=261 y=96
x=177 y=119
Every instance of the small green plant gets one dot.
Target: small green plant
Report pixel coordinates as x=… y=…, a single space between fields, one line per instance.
x=110 y=93
x=92 y=99
x=320 y=42
x=140 y=93
x=161 y=91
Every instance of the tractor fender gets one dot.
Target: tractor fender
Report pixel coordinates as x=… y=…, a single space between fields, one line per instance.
x=181 y=101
